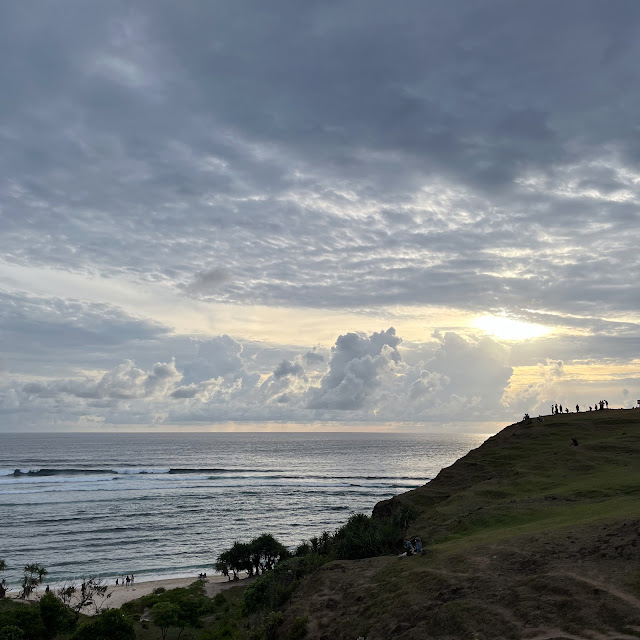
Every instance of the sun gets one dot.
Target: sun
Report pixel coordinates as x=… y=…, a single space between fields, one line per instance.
x=509 y=329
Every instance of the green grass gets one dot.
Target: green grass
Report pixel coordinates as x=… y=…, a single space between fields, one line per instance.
x=527 y=479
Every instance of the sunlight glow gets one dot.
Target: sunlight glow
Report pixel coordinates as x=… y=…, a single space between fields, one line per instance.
x=509 y=329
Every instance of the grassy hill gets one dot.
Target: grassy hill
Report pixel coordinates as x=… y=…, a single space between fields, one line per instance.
x=527 y=537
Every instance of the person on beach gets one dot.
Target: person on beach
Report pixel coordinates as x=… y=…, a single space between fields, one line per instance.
x=132 y=579
x=577 y=408
x=116 y=582
x=128 y=581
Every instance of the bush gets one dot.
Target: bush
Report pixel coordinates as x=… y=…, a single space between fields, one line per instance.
x=271 y=590
x=109 y=625
x=11 y=632
x=159 y=590
x=366 y=537
x=55 y=616
x=27 y=619
x=298 y=629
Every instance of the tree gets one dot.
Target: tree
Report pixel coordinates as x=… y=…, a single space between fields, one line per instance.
x=189 y=612
x=3 y=583
x=91 y=595
x=11 y=632
x=56 y=617
x=266 y=552
x=234 y=560
x=25 y=618
x=165 y=615
x=33 y=576
x=109 y=625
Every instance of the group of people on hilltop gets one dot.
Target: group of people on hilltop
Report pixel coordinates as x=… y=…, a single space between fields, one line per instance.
x=556 y=409
x=126 y=581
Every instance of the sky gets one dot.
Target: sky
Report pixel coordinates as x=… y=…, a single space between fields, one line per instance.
x=346 y=214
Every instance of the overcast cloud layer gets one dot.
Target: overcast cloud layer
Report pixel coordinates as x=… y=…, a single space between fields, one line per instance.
x=350 y=158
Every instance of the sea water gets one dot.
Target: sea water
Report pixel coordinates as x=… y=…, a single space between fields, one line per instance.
x=165 y=505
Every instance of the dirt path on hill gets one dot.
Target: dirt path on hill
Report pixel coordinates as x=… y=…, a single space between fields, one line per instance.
x=614 y=591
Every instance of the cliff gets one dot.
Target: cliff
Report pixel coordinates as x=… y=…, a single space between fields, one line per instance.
x=527 y=537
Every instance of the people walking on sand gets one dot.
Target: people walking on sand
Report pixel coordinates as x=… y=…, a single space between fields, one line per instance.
x=577 y=408
x=132 y=579
x=606 y=403
x=566 y=409
x=128 y=580
x=560 y=408
x=556 y=407
x=116 y=582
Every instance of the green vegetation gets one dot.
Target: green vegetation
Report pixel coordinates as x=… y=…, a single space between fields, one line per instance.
x=3 y=567
x=525 y=536
x=109 y=625
x=33 y=576
x=255 y=557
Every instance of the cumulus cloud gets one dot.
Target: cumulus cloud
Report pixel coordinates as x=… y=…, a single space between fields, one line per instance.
x=217 y=357
x=313 y=357
x=123 y=382
x=288 y=368
x=354 y=372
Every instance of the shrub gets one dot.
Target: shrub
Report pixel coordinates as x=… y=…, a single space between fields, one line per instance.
x=55 y=616
x=298 y=629
x=109 y=625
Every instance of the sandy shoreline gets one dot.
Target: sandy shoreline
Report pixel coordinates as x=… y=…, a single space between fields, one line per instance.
x=115 y=597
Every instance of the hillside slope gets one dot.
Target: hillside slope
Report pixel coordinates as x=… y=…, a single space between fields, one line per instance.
x=527 y=537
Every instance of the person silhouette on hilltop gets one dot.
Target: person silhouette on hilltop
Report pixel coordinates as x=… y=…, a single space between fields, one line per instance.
x=577 y=408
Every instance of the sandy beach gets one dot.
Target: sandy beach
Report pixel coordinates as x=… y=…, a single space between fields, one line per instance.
x=115 y=597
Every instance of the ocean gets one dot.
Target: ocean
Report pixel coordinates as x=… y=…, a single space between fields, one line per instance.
x=165 y=505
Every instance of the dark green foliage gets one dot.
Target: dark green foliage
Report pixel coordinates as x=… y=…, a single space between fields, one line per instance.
x=298 y=628
x=159 y=590
x=258 y=556
x=109 y=625
x=3 y=589
x=266 y=552
x=55 y=616
x=273 y=589
x=26 y=618
x=365 y=537
x=165 y=615
x=11 y=632
x=179 y=608
x=33 y=576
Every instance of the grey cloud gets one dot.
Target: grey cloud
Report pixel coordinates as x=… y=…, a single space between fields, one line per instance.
x=313 y=357
x=340 y=111
x=208 y=281
x=123 y=382
x=220 y=356
x=287 y=368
